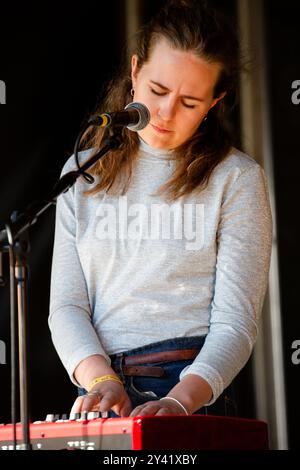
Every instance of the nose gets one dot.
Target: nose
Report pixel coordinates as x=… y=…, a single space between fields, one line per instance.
x=167 y=109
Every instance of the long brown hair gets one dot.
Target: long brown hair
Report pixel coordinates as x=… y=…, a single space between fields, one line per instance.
x=188 y=25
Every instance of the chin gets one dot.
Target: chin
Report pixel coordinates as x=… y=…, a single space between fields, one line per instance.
x=157 y=142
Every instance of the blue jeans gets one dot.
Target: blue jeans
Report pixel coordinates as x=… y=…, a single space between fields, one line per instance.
x=141 y=389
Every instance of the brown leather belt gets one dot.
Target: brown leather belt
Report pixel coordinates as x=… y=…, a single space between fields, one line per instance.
x=163 y=356
x=145 y=371
x=131 y=364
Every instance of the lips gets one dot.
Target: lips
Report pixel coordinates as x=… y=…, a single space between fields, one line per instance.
x=160 y=129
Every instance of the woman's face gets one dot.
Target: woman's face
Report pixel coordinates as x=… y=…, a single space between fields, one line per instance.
x=177 y=88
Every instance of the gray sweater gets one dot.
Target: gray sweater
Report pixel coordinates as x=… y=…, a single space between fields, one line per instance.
x=131 y=270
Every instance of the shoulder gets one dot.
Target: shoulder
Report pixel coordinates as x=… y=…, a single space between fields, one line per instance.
x=235 y=164
x=238 y=161
x=237 y=173
x=70 y=164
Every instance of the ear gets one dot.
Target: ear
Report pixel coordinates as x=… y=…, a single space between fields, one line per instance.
x=216 y=100
x=134 y=69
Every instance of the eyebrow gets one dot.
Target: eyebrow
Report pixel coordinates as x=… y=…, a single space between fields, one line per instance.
x=183 y=96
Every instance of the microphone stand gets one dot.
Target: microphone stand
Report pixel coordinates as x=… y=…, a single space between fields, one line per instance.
x=14 y=239
x=18 y=252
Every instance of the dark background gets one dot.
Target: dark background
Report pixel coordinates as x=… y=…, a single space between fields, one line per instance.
x=283 y=41
x=54 y=59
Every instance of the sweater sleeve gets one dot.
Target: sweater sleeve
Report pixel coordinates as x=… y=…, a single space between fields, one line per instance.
x=244 y=243
x=73 y=334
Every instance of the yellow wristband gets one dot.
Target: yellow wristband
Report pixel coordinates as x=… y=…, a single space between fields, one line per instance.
x=104 y=378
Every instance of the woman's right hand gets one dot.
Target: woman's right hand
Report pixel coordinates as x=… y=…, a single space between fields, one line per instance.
x=105 y=396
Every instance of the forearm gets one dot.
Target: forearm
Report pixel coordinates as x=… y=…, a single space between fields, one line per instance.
x=90 y=368
x=111 y=394
x=192 y=391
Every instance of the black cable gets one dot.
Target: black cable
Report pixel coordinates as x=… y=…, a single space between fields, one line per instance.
x=88 y=178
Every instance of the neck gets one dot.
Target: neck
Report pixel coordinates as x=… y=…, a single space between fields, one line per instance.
x=144 y=147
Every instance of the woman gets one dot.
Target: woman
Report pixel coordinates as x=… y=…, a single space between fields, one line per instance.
x=160 y=270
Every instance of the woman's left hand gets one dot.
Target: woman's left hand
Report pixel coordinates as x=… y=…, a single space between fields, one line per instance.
x=158 y=408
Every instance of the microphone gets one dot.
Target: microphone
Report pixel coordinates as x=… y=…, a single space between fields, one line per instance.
x=135 y=117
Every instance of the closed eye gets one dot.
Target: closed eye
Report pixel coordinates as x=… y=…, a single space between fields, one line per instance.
x=156 y=93
x=162 y=94
x=188 y=105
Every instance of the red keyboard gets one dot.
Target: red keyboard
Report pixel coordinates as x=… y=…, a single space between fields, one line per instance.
x=195 y=432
